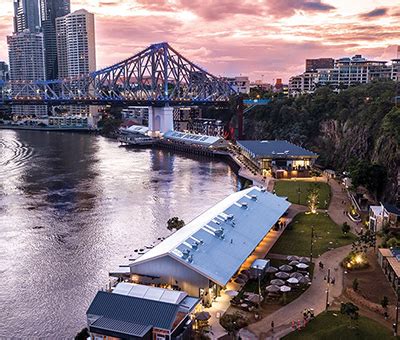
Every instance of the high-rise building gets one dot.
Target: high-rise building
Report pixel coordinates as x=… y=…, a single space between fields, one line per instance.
x=76 y=46
x=4 y=75
x=320 y=63
x=50 y=10
x=26 y=16
x=26 y=54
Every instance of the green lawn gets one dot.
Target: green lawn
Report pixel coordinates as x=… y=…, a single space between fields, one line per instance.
x=296 y=239
x=326 y=326
x=290 y=189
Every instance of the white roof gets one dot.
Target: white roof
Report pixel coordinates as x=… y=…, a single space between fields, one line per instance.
x=150 y=293
x=217 y=242
x=378 y=210
x=259 y=264
x=192 y=138
x=136 y=129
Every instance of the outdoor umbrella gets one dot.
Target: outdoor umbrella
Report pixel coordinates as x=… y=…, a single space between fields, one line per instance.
x=243 y=276
x=255 y=298
x=292 y=258
x=282 y=275
x=285 y=289
x=297 y=275
x=292 y=280
x=277 y=282
x=271 y=270
x=245 y=272
x=231 y=293
x=286 y=268
x=304 y=260
x=304 y=280
x=240 y=281
x=293 y=263
x=302 y=266
x=272 y=289
x=203 y=316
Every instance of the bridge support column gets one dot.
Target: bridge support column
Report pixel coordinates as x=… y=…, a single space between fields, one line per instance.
x=161 y=120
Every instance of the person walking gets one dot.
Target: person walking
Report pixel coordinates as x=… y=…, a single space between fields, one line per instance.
x=272 y=326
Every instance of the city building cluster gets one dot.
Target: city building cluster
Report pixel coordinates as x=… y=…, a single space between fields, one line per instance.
x=49 y=42
x=342 y=73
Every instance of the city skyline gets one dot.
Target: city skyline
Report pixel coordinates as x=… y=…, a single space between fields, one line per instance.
x=227 y=38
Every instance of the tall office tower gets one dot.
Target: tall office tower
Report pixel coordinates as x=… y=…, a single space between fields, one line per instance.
x=4 y=76
x=76 y=47
x=26 y=54
x=50 y=10
x=26 y=16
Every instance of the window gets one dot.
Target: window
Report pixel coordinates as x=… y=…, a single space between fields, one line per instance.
x=160 y=337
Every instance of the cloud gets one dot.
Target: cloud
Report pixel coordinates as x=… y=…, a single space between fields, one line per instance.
x=377 y=12
x=291 y=7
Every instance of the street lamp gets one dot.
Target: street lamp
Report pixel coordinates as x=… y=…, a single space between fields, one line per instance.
x=327 y=289
x=396 y=324
x=311 y=246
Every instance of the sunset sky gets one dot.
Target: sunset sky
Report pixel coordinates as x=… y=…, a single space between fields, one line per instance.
x=259 y=38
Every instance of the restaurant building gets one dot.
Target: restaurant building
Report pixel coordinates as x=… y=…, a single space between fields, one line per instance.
x=384 y=215
x=134 y=311
x=203 y=256
x=278 y=158
x=389 y=260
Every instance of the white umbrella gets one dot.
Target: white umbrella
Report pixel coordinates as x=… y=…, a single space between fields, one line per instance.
x=302 y=266
x=304 y=280
x=282 y=275
x=272 y=289
x=231 y=293
x=285 y=289
x=271 y=270
x=286 y=268
x=297 y=275
x=292 y=258
x=293 y=263
x=292 y=280
x=277 y=282
x=304 y=260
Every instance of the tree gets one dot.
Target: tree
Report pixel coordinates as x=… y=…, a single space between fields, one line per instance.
x=355 y=284
x=175 y=223
x=312 y=199
x=364 y=241
x=82 y=335
x=345 y=228
x=233 y=322
x=351 y=310
x=385 y=302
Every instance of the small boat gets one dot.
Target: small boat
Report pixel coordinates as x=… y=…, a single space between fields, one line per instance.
x=149 y=247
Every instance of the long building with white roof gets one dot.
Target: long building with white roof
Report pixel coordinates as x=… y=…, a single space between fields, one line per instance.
x=203 y=256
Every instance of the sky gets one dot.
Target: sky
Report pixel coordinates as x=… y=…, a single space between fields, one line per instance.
x=264 y=39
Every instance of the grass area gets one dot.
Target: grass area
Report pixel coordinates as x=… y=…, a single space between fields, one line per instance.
x=296 y=239
x=327 y=326
x=290 y=189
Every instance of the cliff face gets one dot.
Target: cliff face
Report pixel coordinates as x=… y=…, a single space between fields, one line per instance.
x=360 y=123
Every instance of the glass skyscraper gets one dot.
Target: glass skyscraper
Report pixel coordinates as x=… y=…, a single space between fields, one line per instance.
x=50 y=10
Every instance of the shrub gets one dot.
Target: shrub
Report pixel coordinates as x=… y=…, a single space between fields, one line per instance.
x=355 y=284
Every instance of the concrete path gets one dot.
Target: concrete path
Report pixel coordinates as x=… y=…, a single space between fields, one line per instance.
x=314 y=297
x=337 y=207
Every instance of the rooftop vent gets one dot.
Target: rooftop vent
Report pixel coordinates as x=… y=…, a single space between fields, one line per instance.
x=195 y=245
x=219 y=232
x=263 y=189
x=190 y=259
x=185 y=253
x=230 y=217
x=201 y=241
x=253 y=197
x=244 y=205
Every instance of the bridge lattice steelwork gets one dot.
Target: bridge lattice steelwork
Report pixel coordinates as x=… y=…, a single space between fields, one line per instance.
x=157 y=76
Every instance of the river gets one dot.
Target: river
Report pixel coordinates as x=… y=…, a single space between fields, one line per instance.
x=75 y=206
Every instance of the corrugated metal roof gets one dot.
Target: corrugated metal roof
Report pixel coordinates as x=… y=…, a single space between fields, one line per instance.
x=134 y=310
x=149 y=292
x=192 y=138
x=122 y=327
x=218 y=241
x=274 y=149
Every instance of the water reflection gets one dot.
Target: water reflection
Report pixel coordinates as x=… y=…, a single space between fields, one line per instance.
x=72 y=207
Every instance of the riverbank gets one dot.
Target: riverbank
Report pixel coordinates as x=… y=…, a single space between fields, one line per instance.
x=48 y=129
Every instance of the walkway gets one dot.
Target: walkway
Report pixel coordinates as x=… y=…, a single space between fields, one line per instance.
x=336 y=207
x=314 y=297
x=221 y=304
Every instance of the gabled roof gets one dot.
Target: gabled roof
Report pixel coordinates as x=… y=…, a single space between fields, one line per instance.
x=122 y=328
x=274 y=149
x=217 y=242
x=192 y=138
x=134 y=310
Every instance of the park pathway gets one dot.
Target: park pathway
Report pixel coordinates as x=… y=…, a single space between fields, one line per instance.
x=314 y=297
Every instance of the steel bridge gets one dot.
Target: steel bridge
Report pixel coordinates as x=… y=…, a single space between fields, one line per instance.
x=158 y=76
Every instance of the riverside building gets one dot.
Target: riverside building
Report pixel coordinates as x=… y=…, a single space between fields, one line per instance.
x=345 y=72
x=203 y=256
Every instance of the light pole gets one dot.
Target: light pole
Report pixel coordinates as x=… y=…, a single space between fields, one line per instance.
x=395 y=326
x=311 y=246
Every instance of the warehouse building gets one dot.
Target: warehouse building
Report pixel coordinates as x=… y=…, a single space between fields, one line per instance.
x=203 y=256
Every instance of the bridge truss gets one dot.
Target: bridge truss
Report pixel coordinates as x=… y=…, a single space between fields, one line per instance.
x=157 y=76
